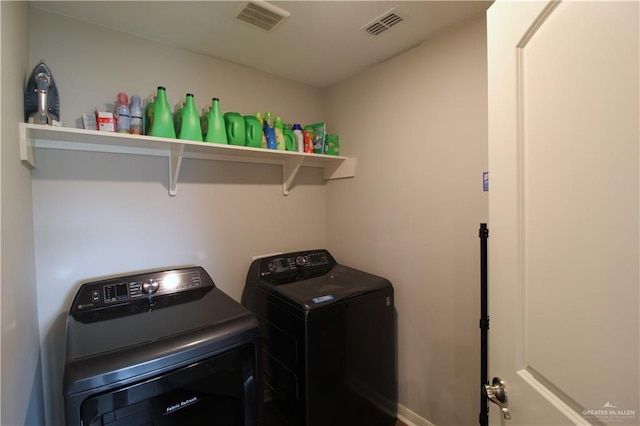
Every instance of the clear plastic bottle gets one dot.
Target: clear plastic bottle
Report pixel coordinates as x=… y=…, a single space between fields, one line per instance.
x=135 y=110
x=123 y=123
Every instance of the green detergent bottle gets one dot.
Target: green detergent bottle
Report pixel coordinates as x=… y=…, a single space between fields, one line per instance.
x=289 y=138
x=278 y=126
x=234 y=123
x=162 y=118
x=260 y=118
x=190 y=128
x=216 y=131
x=253 y=131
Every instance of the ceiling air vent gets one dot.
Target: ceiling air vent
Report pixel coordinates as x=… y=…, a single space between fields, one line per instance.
x=261 y=14
x=382 y=23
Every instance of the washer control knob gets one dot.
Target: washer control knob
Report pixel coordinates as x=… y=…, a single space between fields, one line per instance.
x=150 y=286
x=301 y=261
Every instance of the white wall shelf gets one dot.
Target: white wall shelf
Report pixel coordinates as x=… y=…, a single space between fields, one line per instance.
x=37 y=136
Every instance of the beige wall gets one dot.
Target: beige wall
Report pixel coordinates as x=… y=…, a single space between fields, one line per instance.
x=21 y=377
x=417 y=125
x=102 y=214
x=92 y=64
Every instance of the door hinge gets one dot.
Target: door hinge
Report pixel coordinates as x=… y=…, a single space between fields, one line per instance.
x=484 y=323
x=484 y=232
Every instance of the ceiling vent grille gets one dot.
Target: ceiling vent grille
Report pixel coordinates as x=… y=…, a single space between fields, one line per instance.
x=382 y=23
x=261 y=14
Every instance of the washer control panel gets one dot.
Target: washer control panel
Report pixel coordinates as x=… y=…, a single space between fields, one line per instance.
x=130 y=289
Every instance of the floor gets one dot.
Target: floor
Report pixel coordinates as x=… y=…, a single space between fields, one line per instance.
x=399 y=423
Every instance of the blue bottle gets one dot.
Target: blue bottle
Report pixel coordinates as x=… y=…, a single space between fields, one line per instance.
x=270 y=134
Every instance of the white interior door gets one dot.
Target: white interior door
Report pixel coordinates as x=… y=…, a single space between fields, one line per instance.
x=564 y=201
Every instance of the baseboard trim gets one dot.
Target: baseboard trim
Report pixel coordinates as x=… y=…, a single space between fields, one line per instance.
x=410 y=418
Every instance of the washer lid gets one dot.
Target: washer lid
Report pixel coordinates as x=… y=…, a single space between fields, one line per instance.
x=118 y=350
x=339 y=283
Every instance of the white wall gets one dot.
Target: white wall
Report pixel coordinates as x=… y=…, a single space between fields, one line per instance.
x=417 y=125
x=102 y=214
x=21 y=378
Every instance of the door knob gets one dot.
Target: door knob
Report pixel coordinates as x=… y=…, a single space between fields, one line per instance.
x=497 y=393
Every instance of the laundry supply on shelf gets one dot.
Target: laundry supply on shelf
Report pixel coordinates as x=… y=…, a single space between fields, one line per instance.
x=297 y=131
x=289 y=138
x=269 y=131
x=123 y=118
x=162 y=117
x=307 y=137
x=106 y=121
x=253 y=131
x=318 y=132
x=278 y=129
x=261 y=130
x=135 y=110
x=216 y=131
x=332 y=144
x=190 y=128
x=234 y=124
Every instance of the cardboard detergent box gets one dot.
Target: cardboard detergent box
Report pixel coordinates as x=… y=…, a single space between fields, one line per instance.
x=106 y=121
